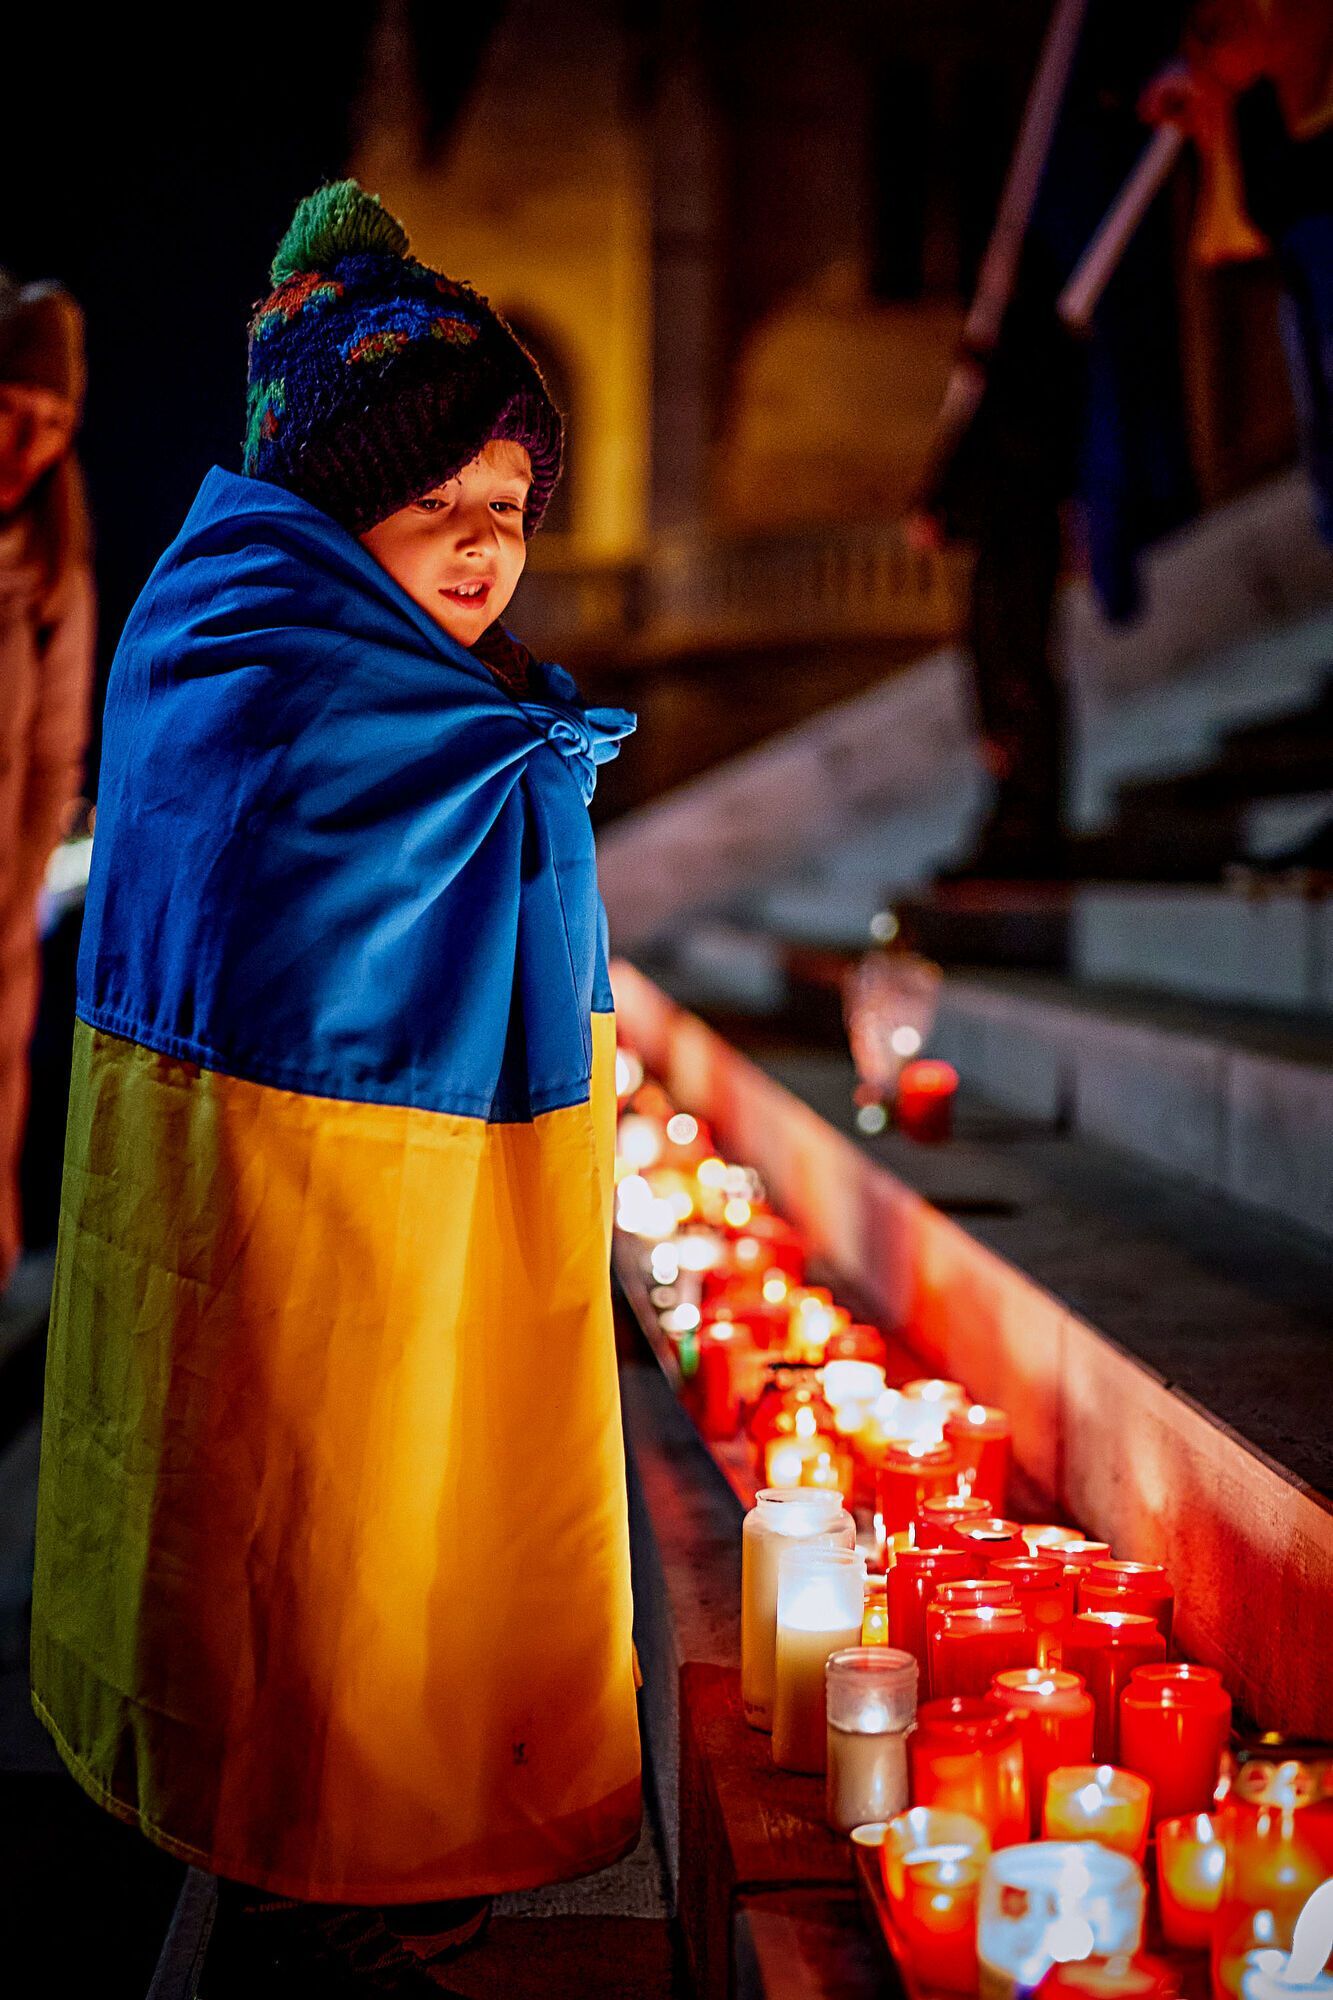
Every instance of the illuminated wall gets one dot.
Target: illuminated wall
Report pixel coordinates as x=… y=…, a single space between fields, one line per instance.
x=540 y=202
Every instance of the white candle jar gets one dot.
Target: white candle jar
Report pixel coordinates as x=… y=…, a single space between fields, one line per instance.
x=780 y=1517
x=870 y=1704
x=1052 y=1902
x=821 y=1592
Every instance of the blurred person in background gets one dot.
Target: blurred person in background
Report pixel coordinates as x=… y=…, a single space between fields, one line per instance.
x=47 y=613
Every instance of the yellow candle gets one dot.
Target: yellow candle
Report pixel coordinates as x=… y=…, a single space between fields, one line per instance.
x=1098 y=1802
x=875 y=1611
x=1191 y=1864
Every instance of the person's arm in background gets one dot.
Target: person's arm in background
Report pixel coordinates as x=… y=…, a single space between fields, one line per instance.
x=60 y=723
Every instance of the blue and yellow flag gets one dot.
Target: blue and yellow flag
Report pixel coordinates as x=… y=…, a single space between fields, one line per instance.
x=332 y=1589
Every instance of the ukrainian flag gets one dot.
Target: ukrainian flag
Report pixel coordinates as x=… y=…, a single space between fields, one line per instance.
x=332 y=1589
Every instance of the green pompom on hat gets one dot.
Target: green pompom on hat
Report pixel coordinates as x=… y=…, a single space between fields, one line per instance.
x=373 y=378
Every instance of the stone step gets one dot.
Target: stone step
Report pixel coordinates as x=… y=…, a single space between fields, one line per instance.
x=1257 y=947
x=1238 y=1103
x=1161 y=1350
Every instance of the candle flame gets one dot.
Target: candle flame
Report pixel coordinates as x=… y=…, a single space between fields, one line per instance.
x=682 y=1129
x=806 y=1423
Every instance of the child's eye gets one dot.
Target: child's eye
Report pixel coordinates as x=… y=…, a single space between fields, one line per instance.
x=430 y=504
x=513 y=505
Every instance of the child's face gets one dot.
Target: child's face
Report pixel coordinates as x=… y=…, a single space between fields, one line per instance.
x=468 y=531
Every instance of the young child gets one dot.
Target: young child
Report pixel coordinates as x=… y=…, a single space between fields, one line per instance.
x=332 y=1593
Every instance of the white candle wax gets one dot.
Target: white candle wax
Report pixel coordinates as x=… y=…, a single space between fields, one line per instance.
x=820 y=1597
x=867 y=1776
x=780 y=1518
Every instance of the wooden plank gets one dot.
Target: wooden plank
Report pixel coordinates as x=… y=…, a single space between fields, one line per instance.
x=806 y=1944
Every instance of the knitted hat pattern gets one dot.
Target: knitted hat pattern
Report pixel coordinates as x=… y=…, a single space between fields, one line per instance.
x=373 y=379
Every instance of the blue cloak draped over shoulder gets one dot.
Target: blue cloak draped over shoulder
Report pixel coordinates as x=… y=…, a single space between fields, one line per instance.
x=333 y=854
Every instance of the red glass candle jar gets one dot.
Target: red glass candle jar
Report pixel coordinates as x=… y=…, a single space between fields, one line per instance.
x=857 y=1343
x=942 y=1511
x=1129 y=1586
x=986 y=1541
x=1119 y=1978
x=1055 y=1716
x=766 y=1320
x=965 y=1756
x=1278 y=1826
x=1174 y=1724
x=971 y=1643
x=912 y=1583
x=766 y=1244
x=982 y=1440
x=926 y=1092
x=909 y=1474
x=1191 y=1862
x=1046 y=1595
x=1078 y=1555
x=713 y=1393
x=1105 y=1647
x=958 y=1594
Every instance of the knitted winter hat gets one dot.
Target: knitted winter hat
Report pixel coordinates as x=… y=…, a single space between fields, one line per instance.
x=373 y=378
x=41 y=338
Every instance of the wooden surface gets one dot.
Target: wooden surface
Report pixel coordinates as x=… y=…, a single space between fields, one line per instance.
x=745 y=1826
x=806 y=1944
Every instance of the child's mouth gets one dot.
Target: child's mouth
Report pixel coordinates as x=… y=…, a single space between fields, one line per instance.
x=472 y=593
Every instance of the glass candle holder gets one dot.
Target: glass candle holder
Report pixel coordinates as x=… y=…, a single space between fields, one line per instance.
x=1041 y=1535
x=858 y=1342
x=938 y=1390
x=1054 y=1713
x=983 y=1444
x=712 y=1394
x=821 y=1592
x=768 y=1243
x=932 y=1865
x=1105 y=1647
x=780 y=1518
x=852 y=1382
x=909 y=1474
x=1047 y=1598
x=1079 y=1554
x=913 y=1579
x=1278 y=1824
x=964 y=1756
x=942 y=1511
x=870 y=1704
x=1129 y=1586
x=1191 y=1862
x=875 y=1610
x=1054 y=1902
x=925 y=1100
x=1119 y=1978
x=971 y=1643
x=986 y=1541
x=1175 y=1722
x=1098 y=1802
x=952 y=1594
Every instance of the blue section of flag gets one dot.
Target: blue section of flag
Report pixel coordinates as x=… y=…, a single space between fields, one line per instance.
x=333 y=854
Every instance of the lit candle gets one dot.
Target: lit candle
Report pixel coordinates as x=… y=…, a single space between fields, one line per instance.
x=926 y=1826
x=1119 y=1978
x=1191 y=1862
x=971 y=1643
x=780 y=1517
x=952 y=1594
x=1303 y=1973
x=830 y=1469
x=912 y=1583
x=1098 y=1802
x=926 y=1093
x=1175 y=1720
x=870 y=1694
x=852 y=1382
x=1079 y=1553
x=1129 y=1586
x=1105 y=1647
x=875 y=1610
x=712 y=1392
x=1047 y=1599
x=858 y=1342
x=909 y=1474
x=937 y=1918
x=965 y=1756
x=770 y=1244
x=940 y=1511
x=1050 y=1902
x=1040 y=1535
x=982 y=1440
x=987 y=1540
x=785 y=1458
x=936 y=1389
x=821 y=1592
x=1055 y=1714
